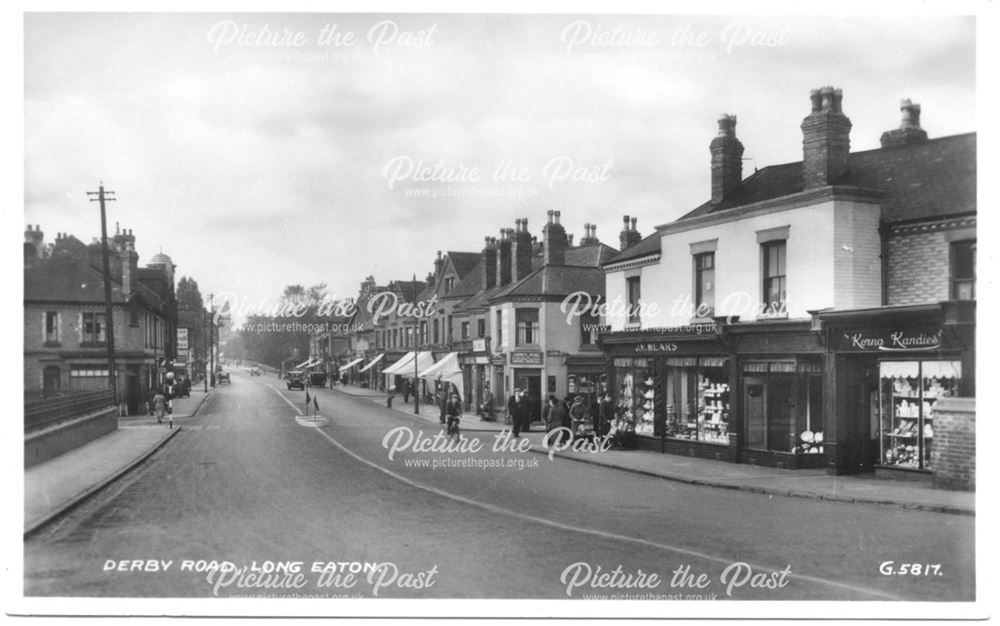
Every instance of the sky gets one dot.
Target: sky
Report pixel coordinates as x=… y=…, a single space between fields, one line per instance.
x=265 y=149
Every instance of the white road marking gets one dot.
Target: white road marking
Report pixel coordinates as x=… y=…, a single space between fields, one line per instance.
x=579 y=529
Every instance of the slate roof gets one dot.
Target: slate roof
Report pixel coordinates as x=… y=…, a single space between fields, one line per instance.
x=921 y=180
x=555 y=280
x=649 y=245
x=463 y=262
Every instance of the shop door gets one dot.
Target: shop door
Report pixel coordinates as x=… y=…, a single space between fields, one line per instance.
x=870 y=450
x=781 y=413
x=531 y=384
x=753 y=405
x=51 y=381
x=133 y=391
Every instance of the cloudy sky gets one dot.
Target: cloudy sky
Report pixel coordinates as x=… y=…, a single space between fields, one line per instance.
x=259 y=150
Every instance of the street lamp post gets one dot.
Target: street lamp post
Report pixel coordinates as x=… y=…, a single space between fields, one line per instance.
x=416 y=353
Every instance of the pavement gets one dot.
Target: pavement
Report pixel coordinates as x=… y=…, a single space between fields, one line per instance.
x=802 y=483
x=55 y=487
x=58 y=485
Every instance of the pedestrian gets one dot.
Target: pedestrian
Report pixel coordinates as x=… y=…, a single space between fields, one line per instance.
x=579 y=417
x=453 y=410
x=605 y=415
x=557 y=414
x=406 y=392
x=159 y=405
x=516 y=411
x=442 y=402
x=487 y=406
x=388 y=398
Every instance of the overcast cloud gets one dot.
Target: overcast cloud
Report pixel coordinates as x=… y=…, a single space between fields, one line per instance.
x=254 y=172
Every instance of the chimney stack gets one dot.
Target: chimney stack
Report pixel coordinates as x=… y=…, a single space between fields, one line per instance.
x=727 y=159
x=826 y=139
x=129 y=262
x=521 y=251
x=33 y=240
x=489 y=263
x=503 y=257
x=590 y=235
x=629 y=235
x=909 y=130
x=555 y=241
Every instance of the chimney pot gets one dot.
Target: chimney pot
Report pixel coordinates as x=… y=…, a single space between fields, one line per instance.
x=557 y=217
x=634 y=221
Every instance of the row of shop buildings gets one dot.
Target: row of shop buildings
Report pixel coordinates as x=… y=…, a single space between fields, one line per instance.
x=819 y=313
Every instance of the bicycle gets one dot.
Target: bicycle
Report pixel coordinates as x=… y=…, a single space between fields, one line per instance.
x=453 y=430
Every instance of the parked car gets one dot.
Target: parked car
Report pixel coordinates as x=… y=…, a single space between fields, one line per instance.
x=317 y=379
x=222 y=377
x=295 y=379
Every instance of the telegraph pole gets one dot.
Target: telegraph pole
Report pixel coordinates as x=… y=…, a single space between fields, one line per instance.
x=109 y=320
x=204 y=341
x=211 y=334
x=416 y=353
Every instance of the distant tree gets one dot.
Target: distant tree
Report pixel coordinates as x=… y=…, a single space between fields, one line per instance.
x=190 y=315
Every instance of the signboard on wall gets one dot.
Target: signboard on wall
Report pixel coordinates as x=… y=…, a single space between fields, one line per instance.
x=479 y=345
x=525 y=358
x=182 y=338
x=889 y=340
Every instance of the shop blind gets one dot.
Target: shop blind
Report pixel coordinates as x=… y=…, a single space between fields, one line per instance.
x=712 y=361
x=755 y=368
x=809 y=367
x=681 y=361
x=783 y=368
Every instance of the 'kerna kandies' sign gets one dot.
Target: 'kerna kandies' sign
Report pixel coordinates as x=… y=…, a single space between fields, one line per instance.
x=890 y=340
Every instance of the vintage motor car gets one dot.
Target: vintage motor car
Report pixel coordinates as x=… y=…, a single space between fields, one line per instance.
x=295 y=379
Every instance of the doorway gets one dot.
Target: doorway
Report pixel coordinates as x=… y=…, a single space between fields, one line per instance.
x=530 y=382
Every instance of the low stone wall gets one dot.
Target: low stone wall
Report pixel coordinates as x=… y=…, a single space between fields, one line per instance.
x=48 y=443
x=953 y=453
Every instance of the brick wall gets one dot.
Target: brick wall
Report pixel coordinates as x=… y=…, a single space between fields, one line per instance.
x=953 y=454
x=918 y=268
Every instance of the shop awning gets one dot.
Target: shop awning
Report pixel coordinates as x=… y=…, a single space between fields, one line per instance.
x=301 y=365
x=446 y=369
x=398 y=365
x=351 y=364
x=424 y=361
x=313 y=363
x=372 y=362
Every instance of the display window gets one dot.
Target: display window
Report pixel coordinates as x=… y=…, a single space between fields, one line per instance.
x=783 y=405
x=697 y=399
x=909 y=390
x=636 y=398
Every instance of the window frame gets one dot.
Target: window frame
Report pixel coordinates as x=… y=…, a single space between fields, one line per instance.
x=767 y=278
x=699 y=284
x=954 y=281
x=527 y=332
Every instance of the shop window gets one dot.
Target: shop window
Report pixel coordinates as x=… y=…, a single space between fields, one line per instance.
x=636 y=401
x=697 y=399
x=634 y=292
x=51 y=327
x=93 y=328
x=704 y=284
x=88 y=378
x=783 y=406
x=526 y=321
x=909 y=390
x=963 y=270
x=773 y=257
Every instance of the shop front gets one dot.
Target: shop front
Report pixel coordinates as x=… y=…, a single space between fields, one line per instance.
x=673 y=390
x=527 y=370
x=474 y=363
x=586 y=377
x=890 y=368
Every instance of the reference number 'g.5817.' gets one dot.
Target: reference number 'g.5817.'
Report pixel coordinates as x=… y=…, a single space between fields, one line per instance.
x=889 y=568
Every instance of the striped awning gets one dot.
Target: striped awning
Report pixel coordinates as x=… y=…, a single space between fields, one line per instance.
x=351 y=364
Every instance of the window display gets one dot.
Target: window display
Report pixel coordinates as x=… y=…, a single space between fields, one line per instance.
x=909 y=391
x=636 y=399
x=697 y=400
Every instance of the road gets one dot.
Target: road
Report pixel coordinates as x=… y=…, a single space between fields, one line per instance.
x=252 y=483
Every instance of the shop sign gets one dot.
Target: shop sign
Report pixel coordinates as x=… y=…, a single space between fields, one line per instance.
x=655 y=346
x=498 y=359
x=890 y=340
x=482 y=360
x=525 y=358
x=479 y=345
x=556 y=353
x=182 y=339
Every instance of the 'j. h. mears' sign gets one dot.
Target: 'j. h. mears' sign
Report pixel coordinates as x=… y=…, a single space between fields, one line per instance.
x=890 y=340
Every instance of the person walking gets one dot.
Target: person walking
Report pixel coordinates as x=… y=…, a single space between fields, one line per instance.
x=580 y=417
x=159 y=405
x=516 y=411
x=556 y=415
x=442 y=402
x=487 y=406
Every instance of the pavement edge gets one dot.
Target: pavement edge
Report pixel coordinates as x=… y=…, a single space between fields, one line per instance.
x=91 y=491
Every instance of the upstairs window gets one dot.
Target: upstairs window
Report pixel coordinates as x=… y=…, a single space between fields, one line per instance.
x=51 y=327
x=704 y=284
x=633 y=289
x=963 y=270
x=773 y=255
x=93 y=328
x=527 y=326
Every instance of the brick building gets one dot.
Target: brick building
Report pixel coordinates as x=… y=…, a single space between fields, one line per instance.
x=65 y=348
x=779 y=322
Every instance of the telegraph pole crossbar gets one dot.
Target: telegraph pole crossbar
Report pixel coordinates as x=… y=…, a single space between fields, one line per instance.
x=103 y=196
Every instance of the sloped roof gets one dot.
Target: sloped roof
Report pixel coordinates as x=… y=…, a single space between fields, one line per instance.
x=932 y=178
x=649 y=245
x=463 y=262
x=65 y=278
x=471 y=284
x=555 y=280
x=589 y=255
